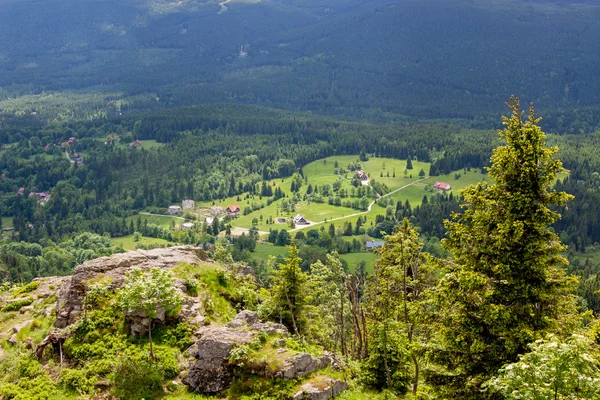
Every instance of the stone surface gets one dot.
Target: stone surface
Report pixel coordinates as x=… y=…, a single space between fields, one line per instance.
x=113 y=268
x=209 y=372
x=299 y=365
x=329 y=389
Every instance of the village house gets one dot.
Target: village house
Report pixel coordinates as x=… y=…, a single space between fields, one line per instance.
x=137 y=143
x=216 y=210
x=374 y=244
x=441 y=186
x=187 y=225
x=362 y=176
x=300 y=220
x=233 y=211
x=172 y=210
x=21 y=190
x=188 y=204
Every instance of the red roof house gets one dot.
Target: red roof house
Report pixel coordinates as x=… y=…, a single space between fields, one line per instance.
x=441 y=186
x=233 y=210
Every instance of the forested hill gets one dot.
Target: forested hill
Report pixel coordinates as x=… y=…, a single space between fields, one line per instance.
x=433 y=59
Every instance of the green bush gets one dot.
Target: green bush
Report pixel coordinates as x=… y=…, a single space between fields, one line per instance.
x=30 y=287
x=136 y=379
x=76 y=380
x=16 y=305
x=191 y=286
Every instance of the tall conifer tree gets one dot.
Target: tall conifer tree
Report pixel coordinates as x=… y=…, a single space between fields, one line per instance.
x=504 y=287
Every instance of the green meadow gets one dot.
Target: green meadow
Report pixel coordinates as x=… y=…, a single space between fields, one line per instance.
x=128 y=243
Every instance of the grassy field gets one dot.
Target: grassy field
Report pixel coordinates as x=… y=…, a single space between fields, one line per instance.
x=263 y=251
x=127 y=242
x=163 y=220
x=353 y=258
x=414 y=194
x=7 y=222
x=321 y=173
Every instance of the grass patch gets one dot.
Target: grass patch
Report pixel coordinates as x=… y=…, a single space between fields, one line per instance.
x=127 y=242
x=354 y=258
x=263 y=251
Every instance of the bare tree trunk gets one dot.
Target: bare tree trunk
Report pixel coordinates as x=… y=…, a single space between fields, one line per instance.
x=292 y=313
x=150 y=338
x=61 y=356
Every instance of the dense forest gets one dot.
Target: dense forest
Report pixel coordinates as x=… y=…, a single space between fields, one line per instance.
x=352 y=155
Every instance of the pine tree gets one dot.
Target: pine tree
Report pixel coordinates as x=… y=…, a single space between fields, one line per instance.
x=289 y=290
x=504 y=287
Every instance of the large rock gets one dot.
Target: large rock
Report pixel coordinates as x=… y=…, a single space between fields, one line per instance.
x=209 y=372
x=112 y=269
x=300 y=365
x=328 y=389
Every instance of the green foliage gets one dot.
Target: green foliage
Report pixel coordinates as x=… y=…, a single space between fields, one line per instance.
x=16 y=305
x=148 y=292
x=386 y=367
x=504 y=287
x=552 y=369
x=136 y=379
x=288 y=291
x=30 y=287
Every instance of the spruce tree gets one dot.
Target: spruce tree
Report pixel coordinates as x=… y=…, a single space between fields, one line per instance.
x=504 y=287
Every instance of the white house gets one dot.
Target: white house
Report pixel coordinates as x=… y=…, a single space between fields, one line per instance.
x=300 y=220
x=172 y=210
x=187 y=204
x=187 y=225
x=216 y=210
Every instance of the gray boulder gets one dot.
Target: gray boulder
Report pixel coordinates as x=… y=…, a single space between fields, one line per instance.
x=209 y=372
x=311 y=391
x=113 y=269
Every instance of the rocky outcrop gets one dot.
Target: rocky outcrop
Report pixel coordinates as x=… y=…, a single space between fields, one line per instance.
x=209 y=372
x=301 y=365
x=327 y=389
x=112 y=270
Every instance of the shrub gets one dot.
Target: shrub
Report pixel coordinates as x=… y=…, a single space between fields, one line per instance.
x=136 y=379
x=30 y=287
x=76 y=380
x=16 y=305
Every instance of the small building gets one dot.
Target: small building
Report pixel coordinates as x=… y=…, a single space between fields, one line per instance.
x=210 y=220
x=21 y=190
x=42 y=196
x=441 y=186
x=172 y=210
x=232 y=211
x=137 y=143
x=374 y=244
x=362 y=176
x=188 y=204
x=8 y=229
x=300 y=220
x=187 y=225
x=216 y=210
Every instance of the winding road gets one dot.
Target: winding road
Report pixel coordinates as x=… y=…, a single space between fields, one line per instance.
x=358 y=213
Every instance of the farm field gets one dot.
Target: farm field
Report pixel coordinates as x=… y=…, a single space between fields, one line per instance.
x=127 y=242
